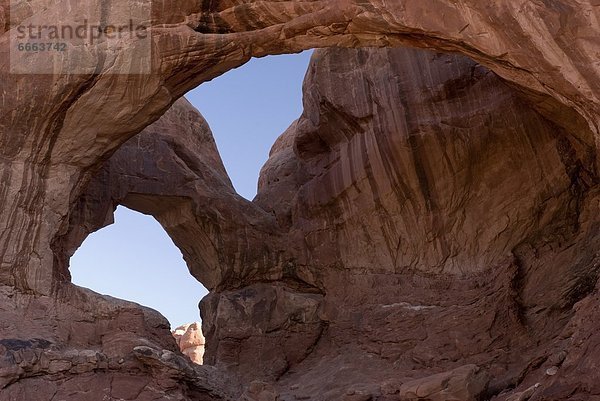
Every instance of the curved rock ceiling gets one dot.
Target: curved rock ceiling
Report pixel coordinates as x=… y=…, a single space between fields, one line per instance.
x=427 y=229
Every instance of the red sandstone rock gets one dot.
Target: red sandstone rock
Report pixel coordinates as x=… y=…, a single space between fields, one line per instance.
x=394 y=192
x=424 y=213
x=466 y=383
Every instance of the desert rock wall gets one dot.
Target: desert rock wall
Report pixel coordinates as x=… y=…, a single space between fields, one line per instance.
x=428 y=217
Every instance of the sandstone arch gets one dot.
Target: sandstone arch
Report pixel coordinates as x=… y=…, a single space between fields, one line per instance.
x=190 y=48
x=51 y=146
x=495 y=281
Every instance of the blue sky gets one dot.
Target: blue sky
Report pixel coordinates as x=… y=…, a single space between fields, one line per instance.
x=247 y=109
x=134 y=259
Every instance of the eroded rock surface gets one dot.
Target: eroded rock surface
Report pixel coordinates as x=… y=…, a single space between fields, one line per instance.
x=437 y=198
x=405 y=230
x=51 y=141
x=190 y=341
x=423 y=214
x=466 y=383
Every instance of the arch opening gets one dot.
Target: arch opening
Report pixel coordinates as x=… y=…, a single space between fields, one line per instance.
x=135 y=260
x=208 y=217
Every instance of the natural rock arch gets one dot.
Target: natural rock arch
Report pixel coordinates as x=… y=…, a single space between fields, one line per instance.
x=194 y=42
x=50 y=147
x=176 y=156
x=173 y=171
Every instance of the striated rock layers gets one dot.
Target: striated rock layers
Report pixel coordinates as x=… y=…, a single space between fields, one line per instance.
x=427 y=229
x=445 y=221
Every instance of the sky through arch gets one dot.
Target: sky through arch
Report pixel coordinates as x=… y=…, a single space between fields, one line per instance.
x=247 y=109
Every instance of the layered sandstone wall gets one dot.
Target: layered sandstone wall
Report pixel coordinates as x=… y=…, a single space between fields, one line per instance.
x=454 y=220
x=422 y=216
x=416 y=225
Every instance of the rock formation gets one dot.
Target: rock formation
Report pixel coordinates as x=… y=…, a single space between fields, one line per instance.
x=190 y=341
x=461 y=384
x=438 y=223
x=428 y=205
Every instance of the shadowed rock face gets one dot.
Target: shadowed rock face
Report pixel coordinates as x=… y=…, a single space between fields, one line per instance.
x=173 y=171
x=420 y=224
x=445 y=220
x=423 y=218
